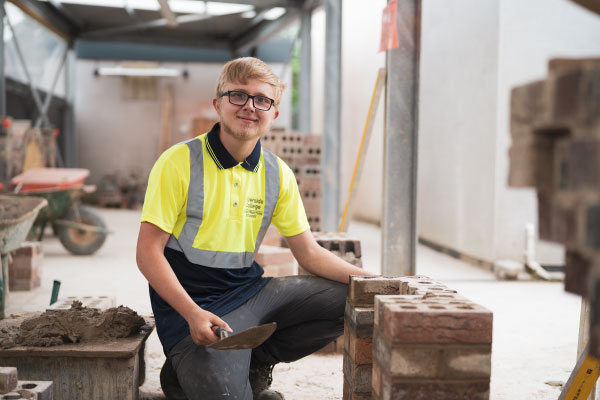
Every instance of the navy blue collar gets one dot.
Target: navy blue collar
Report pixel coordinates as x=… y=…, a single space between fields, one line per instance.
x=221 y=156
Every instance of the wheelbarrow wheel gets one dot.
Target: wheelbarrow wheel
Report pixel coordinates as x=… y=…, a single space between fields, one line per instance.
x=80 y=241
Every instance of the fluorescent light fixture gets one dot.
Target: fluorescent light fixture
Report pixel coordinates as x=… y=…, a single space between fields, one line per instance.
x=128 y=71
x=274 y=13
x=177 y=6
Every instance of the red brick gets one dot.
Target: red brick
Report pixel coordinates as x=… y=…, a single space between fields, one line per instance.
x=357 y=375
x=557 y=222
x=362 y=289
x=529 y=106
x=359 y=349
x=288 y=269
x=531 y=165
x=272 y=255
x=577 y=271
x=438 y=390
x=376 y=381
x=382 y=300
x=272 y=237
x=359 y=320
x=575 y=97
x=339 y=241
x=423 y=323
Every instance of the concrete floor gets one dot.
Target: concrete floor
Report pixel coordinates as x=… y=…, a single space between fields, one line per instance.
x=535 y=323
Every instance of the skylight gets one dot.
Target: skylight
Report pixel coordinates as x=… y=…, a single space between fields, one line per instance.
x=177 y=6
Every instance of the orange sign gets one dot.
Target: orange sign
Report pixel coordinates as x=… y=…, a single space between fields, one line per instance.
x=389 y=30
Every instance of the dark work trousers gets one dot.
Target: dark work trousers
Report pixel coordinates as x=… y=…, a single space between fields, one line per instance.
x=309 y=312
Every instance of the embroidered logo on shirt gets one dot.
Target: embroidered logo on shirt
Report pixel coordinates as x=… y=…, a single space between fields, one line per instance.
x=254 y=207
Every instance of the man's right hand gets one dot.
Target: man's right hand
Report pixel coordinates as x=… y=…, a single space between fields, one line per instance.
x=201 y=324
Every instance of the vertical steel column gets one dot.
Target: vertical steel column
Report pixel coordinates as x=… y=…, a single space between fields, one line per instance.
x=2 y=62
x=304 y=114
x=398 y=228
x=330 y=162
x=69 y=139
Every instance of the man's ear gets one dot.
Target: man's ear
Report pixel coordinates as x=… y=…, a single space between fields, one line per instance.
x=217 y=105
x=276 y=114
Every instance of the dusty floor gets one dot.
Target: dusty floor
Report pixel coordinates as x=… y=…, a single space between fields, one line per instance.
x=535 y=323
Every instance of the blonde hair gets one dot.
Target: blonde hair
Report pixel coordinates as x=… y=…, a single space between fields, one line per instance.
x=242 y=69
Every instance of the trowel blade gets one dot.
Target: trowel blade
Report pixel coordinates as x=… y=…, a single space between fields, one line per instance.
x=246 y=339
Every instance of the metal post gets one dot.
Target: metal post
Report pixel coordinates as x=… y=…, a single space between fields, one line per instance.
x=398 y=224
x=69 y=139
x=330 y=164
x=50 y=93
x=304 y=115
x=2 y=62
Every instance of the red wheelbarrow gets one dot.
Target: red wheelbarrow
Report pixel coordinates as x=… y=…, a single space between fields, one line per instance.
x=79 y=229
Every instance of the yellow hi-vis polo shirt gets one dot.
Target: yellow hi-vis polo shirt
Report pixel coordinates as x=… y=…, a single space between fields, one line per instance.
x=233 y=202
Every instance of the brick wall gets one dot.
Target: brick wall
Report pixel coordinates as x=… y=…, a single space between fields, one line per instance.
x=25 y=269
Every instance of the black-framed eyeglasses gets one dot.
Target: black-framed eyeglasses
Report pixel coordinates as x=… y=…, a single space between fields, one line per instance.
x=238 y=98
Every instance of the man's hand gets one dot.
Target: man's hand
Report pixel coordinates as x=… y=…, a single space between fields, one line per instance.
x=203 y=325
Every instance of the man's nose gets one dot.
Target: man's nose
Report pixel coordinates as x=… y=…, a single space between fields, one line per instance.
x=249 y=105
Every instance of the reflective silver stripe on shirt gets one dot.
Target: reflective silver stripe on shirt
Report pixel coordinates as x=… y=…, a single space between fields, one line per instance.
x=195 y=207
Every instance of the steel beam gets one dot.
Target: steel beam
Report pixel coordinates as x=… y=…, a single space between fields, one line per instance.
x=398 y=224
x=157 y=23
x=69 y=139
x=167 y=13
x=50 y=93
x=257 y=19
x=263 y=32
x=304 y=114
x=65 y=13
x=48 y=17
x=330 y=163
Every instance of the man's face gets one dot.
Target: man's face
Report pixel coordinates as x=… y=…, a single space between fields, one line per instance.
x=246 y=122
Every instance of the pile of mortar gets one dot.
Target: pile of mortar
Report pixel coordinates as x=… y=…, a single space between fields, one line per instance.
x=76 y=325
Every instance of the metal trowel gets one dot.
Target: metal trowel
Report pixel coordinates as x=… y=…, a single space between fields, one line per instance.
x=246 y=339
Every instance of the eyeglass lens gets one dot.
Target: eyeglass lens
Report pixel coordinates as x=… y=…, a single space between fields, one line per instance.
x=259 y=102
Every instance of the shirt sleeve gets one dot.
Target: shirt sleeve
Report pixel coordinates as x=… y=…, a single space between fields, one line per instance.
x=166 y=193
x=289 y=217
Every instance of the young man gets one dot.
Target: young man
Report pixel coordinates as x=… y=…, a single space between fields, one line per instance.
x=208 y=204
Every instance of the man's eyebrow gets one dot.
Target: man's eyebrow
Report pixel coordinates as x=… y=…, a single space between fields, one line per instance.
x=245 y=91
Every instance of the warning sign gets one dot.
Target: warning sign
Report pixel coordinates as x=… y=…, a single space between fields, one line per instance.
x=389 y=30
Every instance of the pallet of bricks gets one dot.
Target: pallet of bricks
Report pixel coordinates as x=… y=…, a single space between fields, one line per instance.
x=414 y=338
x=302 y=153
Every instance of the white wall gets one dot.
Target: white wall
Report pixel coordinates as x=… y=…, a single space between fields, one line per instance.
x=531 y=33
x=117 y=135
x=361 y=29
x=457 y=124
x=473 y=53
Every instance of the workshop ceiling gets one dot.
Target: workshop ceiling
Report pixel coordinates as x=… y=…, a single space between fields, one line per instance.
x=232 y=26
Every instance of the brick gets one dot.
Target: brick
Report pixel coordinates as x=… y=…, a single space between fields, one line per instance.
x=357 y=375
x=576 y=97
x=578 y=164
x=349 y=395
x=557 y=222
x=362 y=289
x=359 y=349
x=288 y=269
x=359 y=320
x=531 y=165
x=8 y=379
x=272 y=255
x=376 y=381
x=592 y=227
x=25 y=269
x=39 y=390
x=339 y=241
x=272 y=237
x=426 y=361
x=577 y=272
x=438 y=390
x=451 y=323
x=529 y=106
x=380 y=301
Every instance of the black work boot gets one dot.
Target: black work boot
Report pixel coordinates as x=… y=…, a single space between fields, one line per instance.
x=260 y=376
x=169 y=383
x=269 y=395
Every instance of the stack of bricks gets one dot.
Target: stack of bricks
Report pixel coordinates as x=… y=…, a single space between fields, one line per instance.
x=12 y=388
x=414 y=338
x=555 y=130
x=276 y=261
x=25 y=269
x=302 y=153
x=341 y=244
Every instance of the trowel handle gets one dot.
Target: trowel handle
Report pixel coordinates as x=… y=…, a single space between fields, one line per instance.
x=221 y=333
